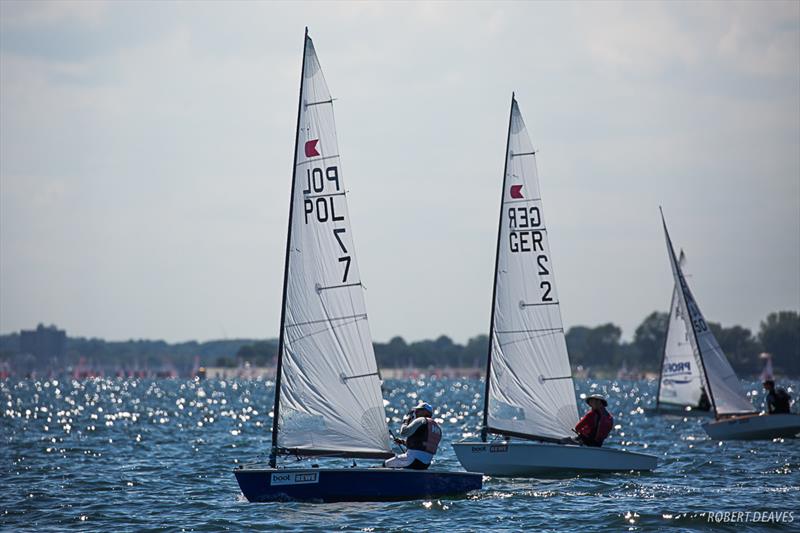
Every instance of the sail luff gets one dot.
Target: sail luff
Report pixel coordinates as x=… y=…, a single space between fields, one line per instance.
x=494 y=279
x=279 y=369
x=680 y=283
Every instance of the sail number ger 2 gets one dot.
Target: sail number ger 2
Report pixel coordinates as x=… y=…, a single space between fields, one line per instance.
x=526 y=235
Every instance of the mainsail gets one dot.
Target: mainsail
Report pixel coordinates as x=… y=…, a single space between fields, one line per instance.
x=328 y=397
x=681 y=380
x=724 y=389
x=529 y=389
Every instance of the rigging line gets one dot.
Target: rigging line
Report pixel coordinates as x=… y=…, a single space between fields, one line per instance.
x=313 y=159
x=345 y=378
x=320 y=288
x=530 y=330
x=530 y=338
x=329 y=101
x=297 y=324
x=325 y=195
x=313 y=333
x=535 y=228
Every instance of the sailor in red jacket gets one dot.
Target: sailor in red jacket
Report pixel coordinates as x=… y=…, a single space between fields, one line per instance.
x=595 y=425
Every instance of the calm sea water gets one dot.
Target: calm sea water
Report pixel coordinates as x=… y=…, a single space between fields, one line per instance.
x=134 y=455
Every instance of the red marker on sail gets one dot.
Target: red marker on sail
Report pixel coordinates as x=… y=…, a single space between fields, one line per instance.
x=311 y=148
x=516 y=191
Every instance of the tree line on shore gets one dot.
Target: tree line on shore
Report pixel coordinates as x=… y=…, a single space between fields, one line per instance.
x=602 y=348
x=598 y=348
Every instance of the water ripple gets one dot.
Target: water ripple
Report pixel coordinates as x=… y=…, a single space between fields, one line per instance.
x=139 y=455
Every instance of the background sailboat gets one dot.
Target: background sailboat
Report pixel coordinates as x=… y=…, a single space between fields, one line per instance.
x=529 y=390
x=680 y=381
x=328 y=399
x=737 y=419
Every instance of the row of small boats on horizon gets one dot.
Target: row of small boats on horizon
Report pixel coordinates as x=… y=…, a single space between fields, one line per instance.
x=328 y=397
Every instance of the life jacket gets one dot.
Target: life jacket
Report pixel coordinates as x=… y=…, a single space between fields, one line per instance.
x=595 y=427
x=426 y=438
x=605 y=423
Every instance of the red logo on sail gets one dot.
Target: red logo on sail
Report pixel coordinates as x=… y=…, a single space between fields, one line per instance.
x=516 y=191
x=311 y=148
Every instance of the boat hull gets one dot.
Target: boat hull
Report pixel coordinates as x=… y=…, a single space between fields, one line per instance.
x=677 y=411
x=754 y=427
x=351 y=484
x=509 y=459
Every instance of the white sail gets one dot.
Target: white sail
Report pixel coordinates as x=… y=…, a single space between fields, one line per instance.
x=530 y=389
x=724 y=388
x=681 y=372
x=330 y=395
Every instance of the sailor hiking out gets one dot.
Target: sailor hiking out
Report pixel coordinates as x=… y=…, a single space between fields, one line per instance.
x=595 y=425
x=421 y=435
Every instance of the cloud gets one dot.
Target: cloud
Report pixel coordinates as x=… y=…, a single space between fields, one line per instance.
x=152 y=142
x=44 y=13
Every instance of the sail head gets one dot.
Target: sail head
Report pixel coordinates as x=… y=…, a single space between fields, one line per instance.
x=530 y=389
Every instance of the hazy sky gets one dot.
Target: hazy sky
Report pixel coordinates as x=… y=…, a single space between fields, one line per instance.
x=146 y=158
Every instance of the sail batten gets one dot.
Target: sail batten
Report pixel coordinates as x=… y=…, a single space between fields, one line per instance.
x=529 y=390
x=722 y=384
x=325 y=342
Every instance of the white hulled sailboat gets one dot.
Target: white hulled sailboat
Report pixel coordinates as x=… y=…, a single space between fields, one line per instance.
x=736 y=418
x=680 y=380
x=530 y=396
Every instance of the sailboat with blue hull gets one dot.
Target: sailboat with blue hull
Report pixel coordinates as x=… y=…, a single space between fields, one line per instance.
x=328 y=400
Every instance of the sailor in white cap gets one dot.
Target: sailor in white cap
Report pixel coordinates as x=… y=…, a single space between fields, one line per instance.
x=421 y=435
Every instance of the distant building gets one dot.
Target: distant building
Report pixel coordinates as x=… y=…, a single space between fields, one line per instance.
x=44 y=343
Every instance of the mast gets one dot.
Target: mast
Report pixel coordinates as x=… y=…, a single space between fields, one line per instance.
x=274 y=451
x=682 y=282
x=485 y=429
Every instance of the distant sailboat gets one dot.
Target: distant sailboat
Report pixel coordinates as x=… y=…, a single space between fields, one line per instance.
x=328 y=400
x=736 y=418
x=680 y=381
x=529 y=390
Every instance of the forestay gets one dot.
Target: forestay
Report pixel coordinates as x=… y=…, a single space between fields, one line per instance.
x=723 y=385
x=530 y=390
x=681 y=378
x=330 y=396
